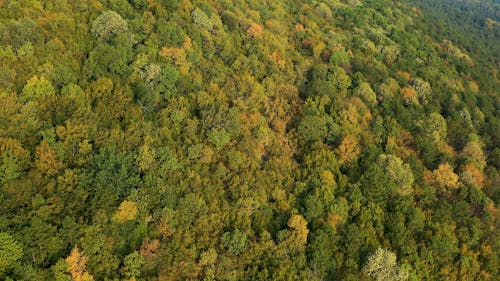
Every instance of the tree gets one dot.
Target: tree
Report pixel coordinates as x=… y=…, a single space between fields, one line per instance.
x=42 y=241
x=127 y=211
x=255 y=30
x=13 y=159
x=77 y=262
x=339 y=79
x=177 y=56
x=298 y=224
x=387 y=90
x=340 y=58
x=381 y=266
x=366 y=93
x=60 y=271
x=108 y=25
x=46 y=161
x=398 y=172
x=472 y=176
x=235 y=242
x=170 y=34
x=219 y=138
x=423 y=90
x=37 y=87
x=133 y=263
x=473 y=150
x=201 y=19
x=445 y=177
x=10 y=252
x=108 y=59
x=435 y=127
x=409 y=95
x=348 y=150
x=312 y=128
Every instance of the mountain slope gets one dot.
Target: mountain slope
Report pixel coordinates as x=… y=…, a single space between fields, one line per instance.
x=249 y=140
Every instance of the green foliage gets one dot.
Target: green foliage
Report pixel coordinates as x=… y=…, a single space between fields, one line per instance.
x=388 y=89
x=133 y=263
x=235 y=241
x=19 y=32
x=219 y=138
x=366 y=93
x=170 y=34
x=37 y=87
x=60 y=271
x=340 y=58
x=107 y=59
x=435 y=127
x=340 y=80
x=313 y=128
x=249 y=140
x=10 y=253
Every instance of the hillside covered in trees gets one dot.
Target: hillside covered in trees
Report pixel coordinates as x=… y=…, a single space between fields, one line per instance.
x=249 y=140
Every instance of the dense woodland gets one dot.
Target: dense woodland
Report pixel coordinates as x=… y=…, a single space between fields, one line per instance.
x=249 y=140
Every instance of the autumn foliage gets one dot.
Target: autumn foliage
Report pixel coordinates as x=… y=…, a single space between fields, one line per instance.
x=150 y=140
x=77 y=262
x=255 y=30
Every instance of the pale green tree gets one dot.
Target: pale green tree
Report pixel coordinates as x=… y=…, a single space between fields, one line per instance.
x=398 y=172
x=107 y=25
x=382 y=266
x=365 y=92
x=435 y=127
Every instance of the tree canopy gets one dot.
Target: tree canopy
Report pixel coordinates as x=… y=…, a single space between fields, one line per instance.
x=249 y=140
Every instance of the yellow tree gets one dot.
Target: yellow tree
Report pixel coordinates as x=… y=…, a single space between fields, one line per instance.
x=37 y=87
x=127 y=211
x=178 y=57
x=445 y=177
x=46 y=161
x=348 y=150
x=299 y=226
x=76 y=266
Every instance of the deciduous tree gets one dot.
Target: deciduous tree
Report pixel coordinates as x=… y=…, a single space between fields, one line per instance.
x=107 y=25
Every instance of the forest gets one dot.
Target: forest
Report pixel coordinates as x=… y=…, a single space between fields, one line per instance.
x=155 y=140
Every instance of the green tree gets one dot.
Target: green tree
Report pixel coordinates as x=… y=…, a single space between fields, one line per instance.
x=60 y=271
x=235 y=241
x=10 y=253
x=313 y=128
x=340 y=58
x=366 y=93
x=133 y=263
x=339 y=78
x=219 y=138
x=37 y=87
x=387 y=90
